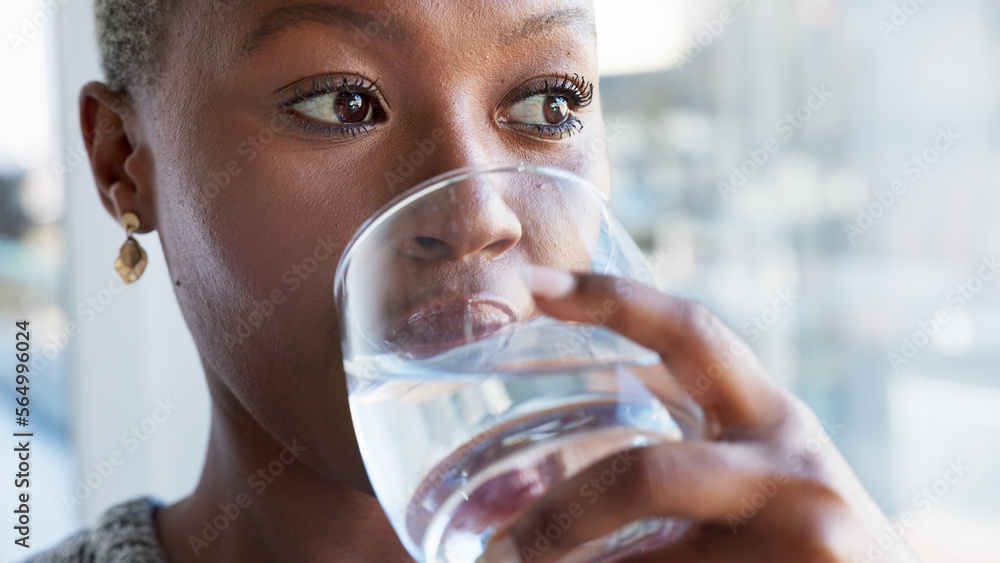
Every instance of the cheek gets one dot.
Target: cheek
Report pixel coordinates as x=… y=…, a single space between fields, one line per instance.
x=288 y=227
x=255 y=249
x=254 y=246
x=586 y=153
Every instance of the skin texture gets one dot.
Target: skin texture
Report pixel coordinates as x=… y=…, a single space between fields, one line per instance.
x=214 y=112
x=243 y=196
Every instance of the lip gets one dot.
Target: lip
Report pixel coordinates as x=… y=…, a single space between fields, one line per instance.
x=440 y=325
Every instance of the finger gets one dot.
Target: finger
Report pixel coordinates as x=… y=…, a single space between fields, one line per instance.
x=701 y=481
x=789 y=529
x=710 y=361
x=719 y=547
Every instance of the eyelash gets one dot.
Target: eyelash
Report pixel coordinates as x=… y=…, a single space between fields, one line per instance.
x=576 y=88
x=331 y=84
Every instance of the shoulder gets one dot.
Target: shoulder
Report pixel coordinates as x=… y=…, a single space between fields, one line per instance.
x=125 y=533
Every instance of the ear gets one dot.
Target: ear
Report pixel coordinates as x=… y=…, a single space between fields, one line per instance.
x=121 y=163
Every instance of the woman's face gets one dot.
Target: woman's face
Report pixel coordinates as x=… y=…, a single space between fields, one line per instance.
x=278 y=127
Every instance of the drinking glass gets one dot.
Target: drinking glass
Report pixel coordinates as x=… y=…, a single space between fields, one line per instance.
x=469 y=403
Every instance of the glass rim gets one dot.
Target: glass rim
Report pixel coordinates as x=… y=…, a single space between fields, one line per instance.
x=436 y=183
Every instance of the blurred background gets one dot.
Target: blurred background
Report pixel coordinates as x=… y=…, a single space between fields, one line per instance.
x=823 y=173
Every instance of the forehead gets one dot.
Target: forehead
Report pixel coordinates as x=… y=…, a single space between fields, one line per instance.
x=405 y=22
x=240 y=43
x=242 y=28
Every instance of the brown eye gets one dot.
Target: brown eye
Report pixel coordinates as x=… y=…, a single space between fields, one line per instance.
x=340 y=108
x=556 y=110
x=548 y=108
x=351 y=107
x=540 y=109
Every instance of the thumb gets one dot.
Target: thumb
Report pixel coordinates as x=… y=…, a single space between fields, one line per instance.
x=708 y=359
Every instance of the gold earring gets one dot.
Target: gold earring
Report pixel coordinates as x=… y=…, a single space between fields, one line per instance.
x=131 y=260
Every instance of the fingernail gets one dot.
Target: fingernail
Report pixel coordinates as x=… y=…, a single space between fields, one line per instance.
x=548 y=282
x=502 y=551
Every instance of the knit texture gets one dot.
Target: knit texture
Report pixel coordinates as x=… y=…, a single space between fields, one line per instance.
x=126 y=533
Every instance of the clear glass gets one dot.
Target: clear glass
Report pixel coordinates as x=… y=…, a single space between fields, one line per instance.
x=468 y=402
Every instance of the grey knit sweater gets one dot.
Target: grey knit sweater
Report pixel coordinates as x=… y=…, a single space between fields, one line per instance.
x=125 y=534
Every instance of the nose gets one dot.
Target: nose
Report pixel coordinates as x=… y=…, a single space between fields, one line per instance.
x=469 y=219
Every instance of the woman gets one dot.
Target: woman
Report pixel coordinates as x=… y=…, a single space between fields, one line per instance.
x=252 y=135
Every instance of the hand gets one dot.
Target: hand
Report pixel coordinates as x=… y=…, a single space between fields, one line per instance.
x=767 y=484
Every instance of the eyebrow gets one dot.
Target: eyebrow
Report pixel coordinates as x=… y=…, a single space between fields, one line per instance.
x=570 y=18
x=277 y=20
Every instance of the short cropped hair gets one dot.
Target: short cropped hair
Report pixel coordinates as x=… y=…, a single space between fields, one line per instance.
x=128 y=35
